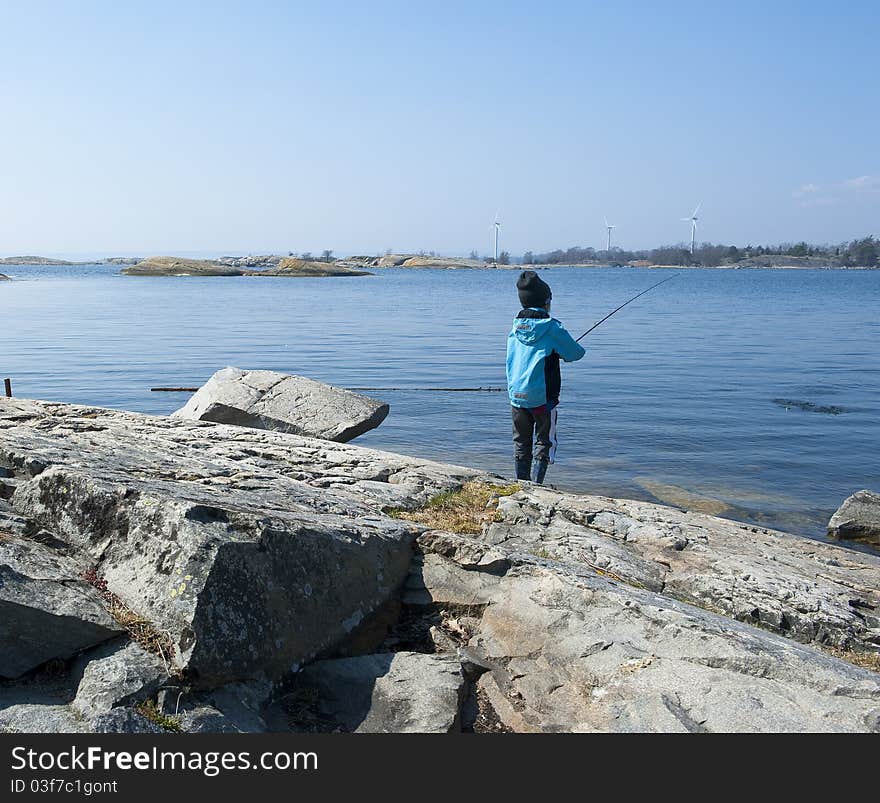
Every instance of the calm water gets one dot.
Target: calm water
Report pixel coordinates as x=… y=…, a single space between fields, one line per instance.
x=675 y=396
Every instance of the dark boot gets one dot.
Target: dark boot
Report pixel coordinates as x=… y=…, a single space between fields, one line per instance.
x=522 y=468
x=540 y=470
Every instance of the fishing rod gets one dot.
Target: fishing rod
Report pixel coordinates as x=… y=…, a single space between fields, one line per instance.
x=408 y=390
x=668 y=278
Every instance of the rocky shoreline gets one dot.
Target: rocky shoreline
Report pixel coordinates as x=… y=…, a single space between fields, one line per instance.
x=158 y=574
x=287 y=267
x=273 y=265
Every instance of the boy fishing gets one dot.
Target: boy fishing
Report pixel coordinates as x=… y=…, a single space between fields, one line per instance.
x=534 y=347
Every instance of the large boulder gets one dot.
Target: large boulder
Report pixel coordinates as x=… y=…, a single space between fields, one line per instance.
x=286 y=403
x=117 y=674
x=403 y=692
x=858 y=517
x=238 y=588
x=46 y=610
x=571 y=650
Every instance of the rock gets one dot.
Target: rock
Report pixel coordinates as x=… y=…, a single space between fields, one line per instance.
x=115 y=675
x=46 y=610
x=241 y=706
x=575 y=651
x=36 y=260
x=391 y=260
x=123 y=720
x=176 y=266
x=403 y=692
x=236 y=589
x=30 y=718
x=256 y=552
x=803 y=589
x=443 y=262
x=858 y=517
x=252 y=551
x=282 y=402
x=308 y=269
x=233 y=708
x=207 y=719
x=251 y=261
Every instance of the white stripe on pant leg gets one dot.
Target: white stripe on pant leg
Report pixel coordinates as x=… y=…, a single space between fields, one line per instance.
x=553 y=442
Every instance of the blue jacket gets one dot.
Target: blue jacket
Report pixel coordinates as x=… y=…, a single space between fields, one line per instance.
x=534 y=347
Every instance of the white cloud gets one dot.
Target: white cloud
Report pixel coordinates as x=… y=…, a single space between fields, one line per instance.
x=806 y=189
x=863 y=184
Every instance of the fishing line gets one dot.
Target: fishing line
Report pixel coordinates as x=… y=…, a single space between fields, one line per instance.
x=668 y=278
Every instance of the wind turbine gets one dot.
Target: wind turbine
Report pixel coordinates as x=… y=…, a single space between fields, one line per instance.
x=609 y=226
x=497 y=227
x=693 y=219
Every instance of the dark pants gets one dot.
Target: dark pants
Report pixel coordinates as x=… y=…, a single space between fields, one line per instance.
x=529 y=426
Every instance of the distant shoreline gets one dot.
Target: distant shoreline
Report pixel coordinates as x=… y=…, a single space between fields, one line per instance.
x=419 y=263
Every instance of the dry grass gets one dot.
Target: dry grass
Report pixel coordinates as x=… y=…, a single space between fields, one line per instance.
x=139 y=629
x=866 y=660
x=149 y=710
x=466 y=510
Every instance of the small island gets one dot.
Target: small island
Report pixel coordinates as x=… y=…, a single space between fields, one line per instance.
x=35 y=260
x=286 y=267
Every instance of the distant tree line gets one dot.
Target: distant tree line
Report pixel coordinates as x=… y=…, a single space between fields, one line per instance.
x=858 y=253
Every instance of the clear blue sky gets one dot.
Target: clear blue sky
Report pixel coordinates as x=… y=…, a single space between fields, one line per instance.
x=172 y=127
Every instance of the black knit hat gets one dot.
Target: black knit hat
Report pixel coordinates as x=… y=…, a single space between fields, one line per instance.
x=533 y=291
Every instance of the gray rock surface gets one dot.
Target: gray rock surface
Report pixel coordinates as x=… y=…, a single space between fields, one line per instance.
x=123 y=720
x=392 y=260
x=46 y=610
x=403 y=692
x=250 y=550
x=803 y=589
x=256 y=552
x=282 y=402
x=35 y=718
x=115 y=675
x=858 y=517
x=575 y=651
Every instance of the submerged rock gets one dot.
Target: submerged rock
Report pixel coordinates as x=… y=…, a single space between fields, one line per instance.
x=810 y=407
x=682 y=497
x=295 y=404
x=858 y=517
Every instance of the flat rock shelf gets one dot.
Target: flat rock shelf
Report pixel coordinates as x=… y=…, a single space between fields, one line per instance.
x=200 y=577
